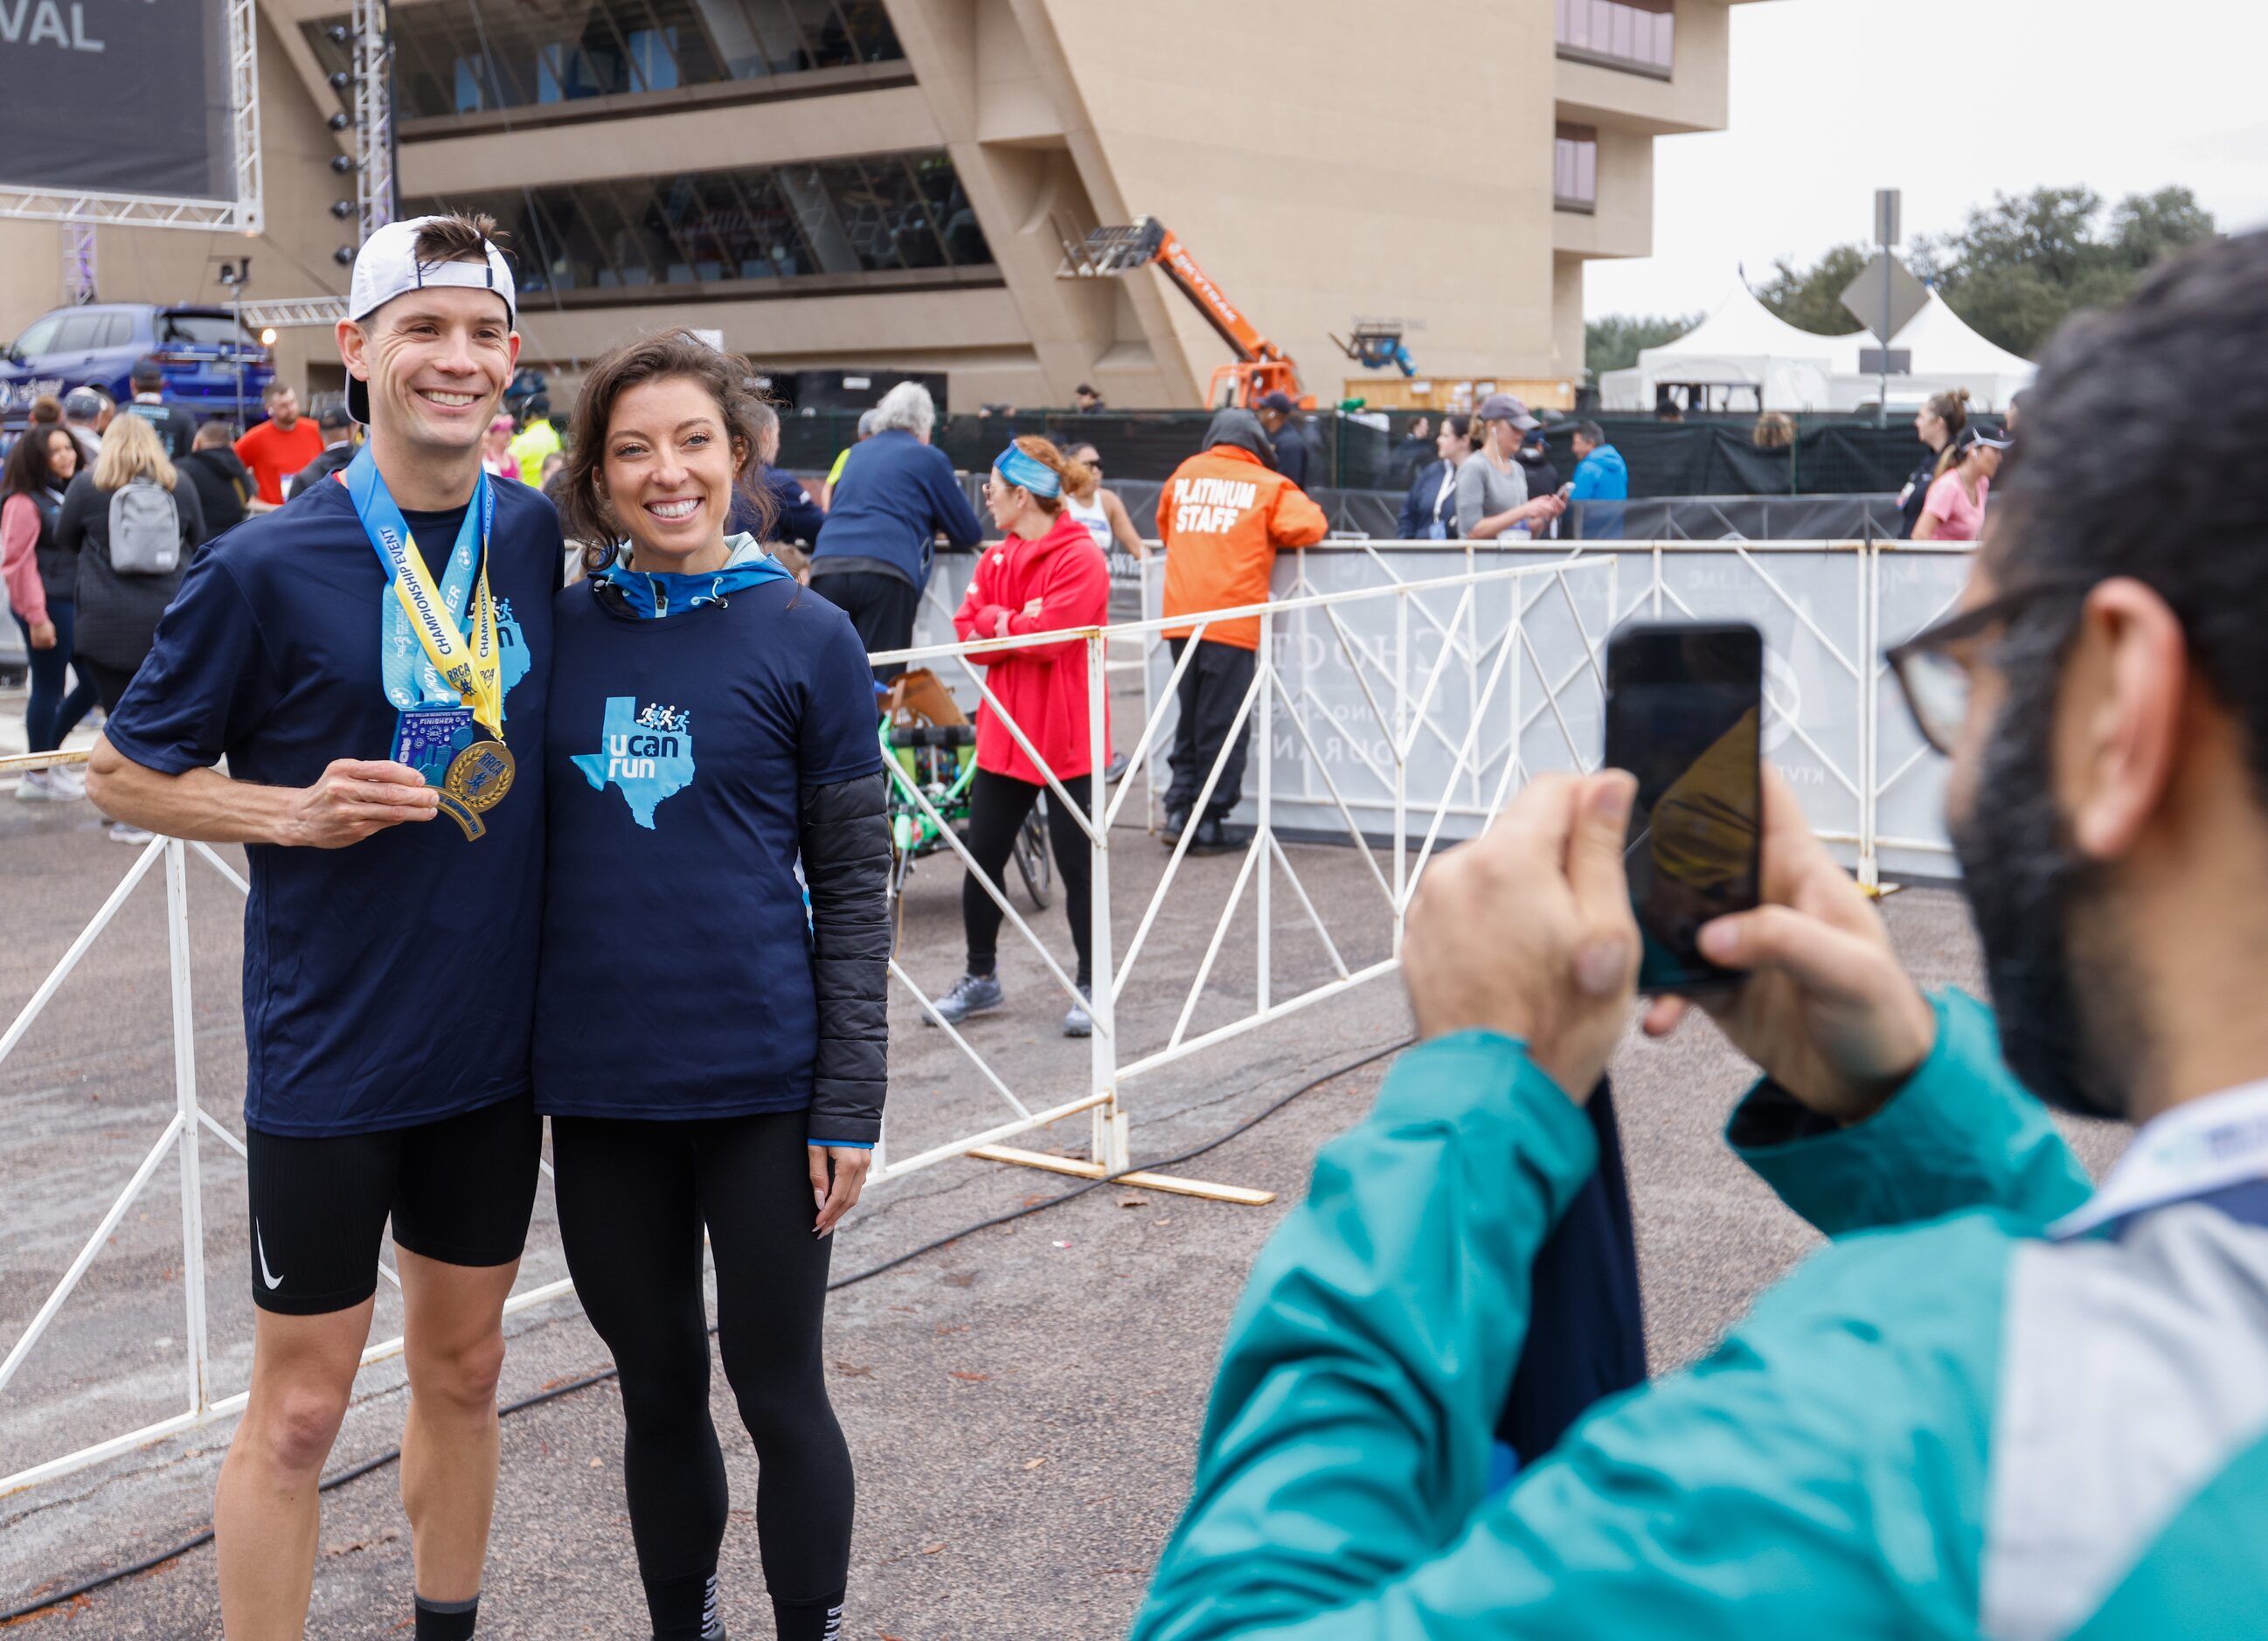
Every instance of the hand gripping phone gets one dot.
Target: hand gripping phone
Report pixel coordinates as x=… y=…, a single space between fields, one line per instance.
x=1685 y=716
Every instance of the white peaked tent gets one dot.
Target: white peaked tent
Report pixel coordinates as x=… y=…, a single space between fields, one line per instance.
x=1947 y=353
x=1742 y=344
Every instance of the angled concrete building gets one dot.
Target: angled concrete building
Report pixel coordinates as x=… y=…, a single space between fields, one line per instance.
x=841 y=185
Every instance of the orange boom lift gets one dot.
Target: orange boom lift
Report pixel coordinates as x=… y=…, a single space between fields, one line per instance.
x=1261 y=368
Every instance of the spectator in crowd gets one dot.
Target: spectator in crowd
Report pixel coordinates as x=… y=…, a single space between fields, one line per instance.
x=1086 y=402
x=276 y=449
x=177 y=429
x=1541 y=475
x=1223 y=516
x=43 y=583
x=897 y=494
x=1429 y=512
x=536 y=440
x=1413 y=454
x=1492 y=487
x=1101 y=510
x=1602 y=483
x=1941 y=419
x=792 y=517
x=86 y=413
x=117 y=521
x=1954 y=511
x=868 y=423
x=496 y=459
x=337 y=427
x=1281 y=422
x=1775 y=430
x=46 y=410
x=1998 y=1402
x=2017 y=402
x=224 y=488
x=1046 y=575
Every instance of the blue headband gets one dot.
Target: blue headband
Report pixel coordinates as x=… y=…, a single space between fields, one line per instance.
x=1016 y=467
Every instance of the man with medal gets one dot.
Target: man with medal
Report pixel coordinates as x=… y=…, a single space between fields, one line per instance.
x=370 y=657
x=2000 y=1403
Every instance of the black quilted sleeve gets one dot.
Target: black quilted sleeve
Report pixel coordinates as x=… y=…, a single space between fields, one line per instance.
x=845 y=835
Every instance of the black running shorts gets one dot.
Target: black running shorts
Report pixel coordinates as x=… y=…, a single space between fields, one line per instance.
x=459 y=1190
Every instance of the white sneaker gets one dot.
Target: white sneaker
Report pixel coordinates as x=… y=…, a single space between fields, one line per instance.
x=33 y=787
x=122 y=833
x=66 y=785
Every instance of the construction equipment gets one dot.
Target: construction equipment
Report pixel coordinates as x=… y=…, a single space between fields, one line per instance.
x=1261 y=367
x=1376 y=343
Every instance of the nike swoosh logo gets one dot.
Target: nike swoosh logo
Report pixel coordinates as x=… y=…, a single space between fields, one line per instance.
x=273 y=1281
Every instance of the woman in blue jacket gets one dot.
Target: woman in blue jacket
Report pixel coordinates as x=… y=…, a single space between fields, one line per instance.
x=1429 y=513
x=710 y=1049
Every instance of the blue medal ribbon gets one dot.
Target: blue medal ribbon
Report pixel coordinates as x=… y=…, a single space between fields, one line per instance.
x=410 y=680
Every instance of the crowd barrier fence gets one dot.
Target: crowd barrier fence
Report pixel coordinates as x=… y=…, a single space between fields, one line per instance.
x=1401 y=694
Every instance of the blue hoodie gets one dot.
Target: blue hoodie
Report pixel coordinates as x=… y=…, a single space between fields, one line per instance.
x=1601 y=476
x=896 y=495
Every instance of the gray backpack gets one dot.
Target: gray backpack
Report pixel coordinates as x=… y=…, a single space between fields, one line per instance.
x=145 y=529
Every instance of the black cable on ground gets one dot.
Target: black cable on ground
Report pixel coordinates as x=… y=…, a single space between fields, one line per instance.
x=553 y=1393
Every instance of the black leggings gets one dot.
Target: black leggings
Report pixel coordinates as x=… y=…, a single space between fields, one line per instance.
x=998 y=805
x=633 y=1198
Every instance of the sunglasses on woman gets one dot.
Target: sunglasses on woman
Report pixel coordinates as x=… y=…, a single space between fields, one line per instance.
x=1934 y=678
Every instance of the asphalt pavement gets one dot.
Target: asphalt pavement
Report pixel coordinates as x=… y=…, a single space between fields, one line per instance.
x=1021 y=1402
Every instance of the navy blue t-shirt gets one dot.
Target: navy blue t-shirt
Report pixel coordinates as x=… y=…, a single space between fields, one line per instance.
x=392 y=981
x=677 y=968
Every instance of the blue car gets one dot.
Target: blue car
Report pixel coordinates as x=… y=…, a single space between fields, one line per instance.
x=212 y=366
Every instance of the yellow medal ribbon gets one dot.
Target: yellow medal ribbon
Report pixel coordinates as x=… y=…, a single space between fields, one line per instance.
x=473 y=668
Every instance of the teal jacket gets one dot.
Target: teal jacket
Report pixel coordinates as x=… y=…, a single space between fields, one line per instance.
x=1946 y=1423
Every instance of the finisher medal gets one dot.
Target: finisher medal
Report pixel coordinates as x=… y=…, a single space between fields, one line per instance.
x=479 y=776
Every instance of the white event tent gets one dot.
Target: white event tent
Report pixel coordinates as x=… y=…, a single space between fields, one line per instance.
x=1744 y=356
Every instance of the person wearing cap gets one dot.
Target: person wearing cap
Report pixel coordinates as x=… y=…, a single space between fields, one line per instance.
x=337 y=428
x=373 y=663
x=1492 y=487
x=280 y=446
x=86 y=413
x=535 y=441
x=1954 y=511
x=1223 y=516
x=1280 y=419
x=175 y=427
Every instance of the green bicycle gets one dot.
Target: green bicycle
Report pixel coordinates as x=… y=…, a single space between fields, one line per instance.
x=939 y=760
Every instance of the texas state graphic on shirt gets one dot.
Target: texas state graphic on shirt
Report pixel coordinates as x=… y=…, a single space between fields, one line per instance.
x=647 y=752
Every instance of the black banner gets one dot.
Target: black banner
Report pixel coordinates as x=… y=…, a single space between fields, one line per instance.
x=116 y=96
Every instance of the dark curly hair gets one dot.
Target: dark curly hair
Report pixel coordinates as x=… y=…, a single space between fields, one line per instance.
x=662 y=356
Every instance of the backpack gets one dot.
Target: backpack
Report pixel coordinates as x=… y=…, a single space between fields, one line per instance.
x=145 y=529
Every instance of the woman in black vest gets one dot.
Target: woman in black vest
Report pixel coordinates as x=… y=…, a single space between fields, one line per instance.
x=42 y=595
x=118 y=609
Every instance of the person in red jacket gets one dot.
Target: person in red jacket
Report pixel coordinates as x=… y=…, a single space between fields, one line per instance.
x=1044 y=574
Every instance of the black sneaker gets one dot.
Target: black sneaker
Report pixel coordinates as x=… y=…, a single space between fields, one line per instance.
x=971 y=994
x=1214 y=838
x=1177 y=820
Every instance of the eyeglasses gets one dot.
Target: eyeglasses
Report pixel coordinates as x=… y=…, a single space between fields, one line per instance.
x=1935 y=683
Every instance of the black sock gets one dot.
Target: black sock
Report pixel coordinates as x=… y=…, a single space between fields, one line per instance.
x=684 y=1609
x=447 y=1621
x=809 y=1621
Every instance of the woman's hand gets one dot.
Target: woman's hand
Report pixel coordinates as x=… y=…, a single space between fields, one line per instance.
x=1000 y=623
x=1031 y=608
x=43 y=635
x=1826 y=1010
x=836 y=1196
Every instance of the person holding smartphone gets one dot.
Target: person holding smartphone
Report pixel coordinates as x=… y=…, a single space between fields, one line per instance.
x=710 y=1046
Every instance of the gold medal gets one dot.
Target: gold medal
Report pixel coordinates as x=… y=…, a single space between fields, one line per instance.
x=479 y=776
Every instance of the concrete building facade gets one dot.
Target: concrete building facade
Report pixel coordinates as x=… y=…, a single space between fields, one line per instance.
x=892 y=184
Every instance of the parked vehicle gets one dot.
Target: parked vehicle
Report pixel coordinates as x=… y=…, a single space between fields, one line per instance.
x=212 y=366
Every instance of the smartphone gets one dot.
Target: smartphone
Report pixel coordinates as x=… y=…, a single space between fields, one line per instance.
x=1685 y=716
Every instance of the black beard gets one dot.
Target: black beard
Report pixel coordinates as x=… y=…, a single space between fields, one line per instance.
x=2025 y=882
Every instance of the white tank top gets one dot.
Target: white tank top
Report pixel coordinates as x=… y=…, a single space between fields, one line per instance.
x=1091 y=515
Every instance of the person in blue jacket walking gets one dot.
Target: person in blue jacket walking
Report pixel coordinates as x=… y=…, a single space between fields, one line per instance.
x=1601 y=476
x=898 y=493
x=1997 y=1404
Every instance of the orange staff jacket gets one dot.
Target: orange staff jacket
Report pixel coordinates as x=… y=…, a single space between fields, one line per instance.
x=1223 y=516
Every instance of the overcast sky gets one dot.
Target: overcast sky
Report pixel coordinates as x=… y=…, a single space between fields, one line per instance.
x=1950 y=101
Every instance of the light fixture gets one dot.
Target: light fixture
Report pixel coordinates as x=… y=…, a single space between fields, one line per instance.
x=338 y=33
x=344 y=256
x=343 y=208
x=340 y=79
x=339 y=121
x=268 y=336
x=342 y=163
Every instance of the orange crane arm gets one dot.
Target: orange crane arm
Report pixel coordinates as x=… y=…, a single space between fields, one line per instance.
x=1224 y=315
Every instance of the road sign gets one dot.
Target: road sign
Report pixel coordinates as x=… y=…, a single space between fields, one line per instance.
x=1885 y=296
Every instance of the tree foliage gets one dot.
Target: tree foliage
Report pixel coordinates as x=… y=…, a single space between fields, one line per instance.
x=2018 y=268
x=1613 y=343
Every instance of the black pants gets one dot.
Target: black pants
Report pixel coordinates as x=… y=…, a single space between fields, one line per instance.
x=879 y=605
x=109 y=681
x=1210 y=693
x=998 y=805
x=1586 y=1332
x=633 y=1198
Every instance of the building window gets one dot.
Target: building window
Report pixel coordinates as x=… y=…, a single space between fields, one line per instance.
x=878 y=215
x=468 y=57
x=1575 y=168
x=1639 y=36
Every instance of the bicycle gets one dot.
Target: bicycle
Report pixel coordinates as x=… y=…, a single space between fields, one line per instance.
x=924 y=733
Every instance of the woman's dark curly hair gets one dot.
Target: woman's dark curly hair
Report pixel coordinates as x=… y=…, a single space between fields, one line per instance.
x=661 y=356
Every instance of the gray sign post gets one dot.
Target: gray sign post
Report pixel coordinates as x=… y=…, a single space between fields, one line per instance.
x=1885 y=296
